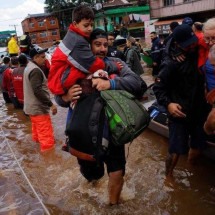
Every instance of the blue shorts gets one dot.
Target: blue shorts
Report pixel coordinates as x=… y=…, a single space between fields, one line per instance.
x=183 y=136
x=115 y=161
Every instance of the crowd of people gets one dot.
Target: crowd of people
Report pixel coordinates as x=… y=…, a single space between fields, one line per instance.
x=113 y=62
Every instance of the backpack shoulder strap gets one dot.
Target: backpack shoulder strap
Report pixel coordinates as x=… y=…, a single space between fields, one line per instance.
x=94 y=119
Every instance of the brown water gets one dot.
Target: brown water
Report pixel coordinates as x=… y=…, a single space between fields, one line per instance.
x=63 y=191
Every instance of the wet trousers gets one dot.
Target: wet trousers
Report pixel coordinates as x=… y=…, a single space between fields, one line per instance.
x=42 y=131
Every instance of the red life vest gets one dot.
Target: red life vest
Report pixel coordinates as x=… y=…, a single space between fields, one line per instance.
x=17 y=81
x=6 y=81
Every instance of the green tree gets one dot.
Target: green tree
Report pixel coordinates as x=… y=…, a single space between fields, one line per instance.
x=62 y=9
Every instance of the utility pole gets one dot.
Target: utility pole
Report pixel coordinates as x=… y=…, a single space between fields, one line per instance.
x=14 y=27
x=105 y=22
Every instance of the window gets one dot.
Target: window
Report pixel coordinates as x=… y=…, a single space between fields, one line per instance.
x=189 y=0
x=31 y=25
x=52 y=22
x=113 y=20
x=43 y=34
x=54 y=33
x=33 y=36
x=41 y=24
x=168 y=2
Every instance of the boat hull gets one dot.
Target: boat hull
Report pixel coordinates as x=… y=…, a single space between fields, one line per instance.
x=163 y=130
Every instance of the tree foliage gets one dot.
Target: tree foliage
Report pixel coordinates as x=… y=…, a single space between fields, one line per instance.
x=62 y=9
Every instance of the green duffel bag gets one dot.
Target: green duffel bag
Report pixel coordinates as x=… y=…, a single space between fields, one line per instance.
x=126 y=115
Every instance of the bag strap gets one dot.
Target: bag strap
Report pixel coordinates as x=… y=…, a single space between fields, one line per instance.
x=94 y=120
x=94 y=128
x=81 y=155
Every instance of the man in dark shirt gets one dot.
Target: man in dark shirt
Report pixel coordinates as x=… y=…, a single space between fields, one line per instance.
x=112 y=49
x=115 y=32
x=156 y=54
x=123 y=31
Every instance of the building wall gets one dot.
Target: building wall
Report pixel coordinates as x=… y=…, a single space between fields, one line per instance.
x=181 y=7
x=133 y=17
x=5 y=36
x=43 y=30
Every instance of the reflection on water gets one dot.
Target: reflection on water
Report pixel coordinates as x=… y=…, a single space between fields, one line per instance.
x=56 y=178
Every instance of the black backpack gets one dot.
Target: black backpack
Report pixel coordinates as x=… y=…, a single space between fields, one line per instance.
x=85 y=128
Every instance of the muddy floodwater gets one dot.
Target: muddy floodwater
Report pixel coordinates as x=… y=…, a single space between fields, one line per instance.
x=32 y=183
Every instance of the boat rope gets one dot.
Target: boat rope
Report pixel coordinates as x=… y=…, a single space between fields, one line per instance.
x=25 y=176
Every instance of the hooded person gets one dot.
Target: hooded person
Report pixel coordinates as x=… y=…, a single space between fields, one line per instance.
x=12 y=46
x=132 y=55
x=187 y=21
x=172 y=26
x=180 y=89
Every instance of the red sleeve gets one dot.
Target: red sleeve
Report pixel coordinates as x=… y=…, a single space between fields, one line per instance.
x=98 y=64
x=202 y=43
x=7 y=79
x=58 y=66
x=202 y=52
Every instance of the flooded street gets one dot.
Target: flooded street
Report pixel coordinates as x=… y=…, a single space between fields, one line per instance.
x=51 y=183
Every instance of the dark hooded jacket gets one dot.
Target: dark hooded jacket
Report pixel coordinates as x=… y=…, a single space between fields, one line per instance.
x=180 y=82
x=156 y=50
